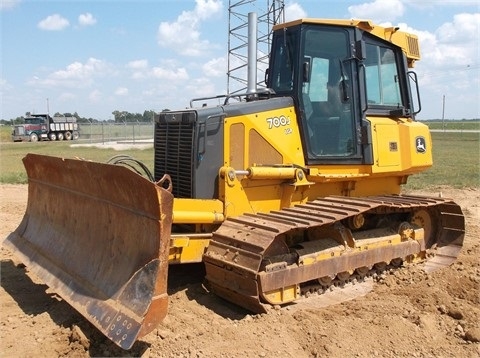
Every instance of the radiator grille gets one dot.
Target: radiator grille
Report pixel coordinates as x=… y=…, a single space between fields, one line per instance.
x=413 y=47
x=174 y=143
x=19 y=130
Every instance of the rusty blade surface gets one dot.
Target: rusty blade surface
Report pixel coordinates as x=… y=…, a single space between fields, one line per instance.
x=98 y=235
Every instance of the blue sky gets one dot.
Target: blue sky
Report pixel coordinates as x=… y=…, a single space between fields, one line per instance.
x=95 y=57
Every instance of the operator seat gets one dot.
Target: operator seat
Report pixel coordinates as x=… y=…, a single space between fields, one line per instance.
x=323 y=129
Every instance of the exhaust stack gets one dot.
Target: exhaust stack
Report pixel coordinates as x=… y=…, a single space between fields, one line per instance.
x=252 y=53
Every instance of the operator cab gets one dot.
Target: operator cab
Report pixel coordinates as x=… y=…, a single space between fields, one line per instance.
x=337 y=75
x=36 y=119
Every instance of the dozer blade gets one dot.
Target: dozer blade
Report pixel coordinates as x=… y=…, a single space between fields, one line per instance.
x=98 y=235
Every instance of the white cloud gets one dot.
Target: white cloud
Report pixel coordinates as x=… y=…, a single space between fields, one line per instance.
x=95 y=96
x=139 y=68
x=66 y=97
x=8 y=4
x=444 y=3
x=216 y=67
x=137 y=64
x=121 y=91
x=205 y=8
x=170 y=74
x=183 y=35
x=200 y=88
x=75 y=75
x=463 y=29
x=86 y=19
x=449 y=66
x=79 y=70
x=139 y=75
x=378 y=10
x=452 y=44
x=294 y=11
x=53 y=22
x=4 y=85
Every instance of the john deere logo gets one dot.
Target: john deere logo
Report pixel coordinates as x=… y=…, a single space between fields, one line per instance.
x=420 y=144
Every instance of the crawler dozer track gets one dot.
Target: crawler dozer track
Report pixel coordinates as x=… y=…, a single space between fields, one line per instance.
x=269 y=259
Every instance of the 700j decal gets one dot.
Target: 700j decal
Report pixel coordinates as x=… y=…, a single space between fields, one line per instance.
x=275 y=122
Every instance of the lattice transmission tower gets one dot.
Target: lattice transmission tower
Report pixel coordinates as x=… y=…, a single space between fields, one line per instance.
x=269 y=13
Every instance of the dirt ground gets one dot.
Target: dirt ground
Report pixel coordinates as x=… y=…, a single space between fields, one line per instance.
x=406 y=314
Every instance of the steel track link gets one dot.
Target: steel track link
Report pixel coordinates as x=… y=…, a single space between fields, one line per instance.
x=252 y=255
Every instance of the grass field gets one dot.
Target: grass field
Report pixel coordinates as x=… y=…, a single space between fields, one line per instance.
x=456 y=159
x=11 y=154
x=453 y=125
x=456 y=162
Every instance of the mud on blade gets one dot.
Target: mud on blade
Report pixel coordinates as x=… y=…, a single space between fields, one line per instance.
x=98 y=235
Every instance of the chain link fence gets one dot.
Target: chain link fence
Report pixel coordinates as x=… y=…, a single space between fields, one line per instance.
x=103 y=132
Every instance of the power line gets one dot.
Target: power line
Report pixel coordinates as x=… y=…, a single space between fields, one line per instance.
x=450 y=70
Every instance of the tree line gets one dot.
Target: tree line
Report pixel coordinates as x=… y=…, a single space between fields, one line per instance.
x=118 y=117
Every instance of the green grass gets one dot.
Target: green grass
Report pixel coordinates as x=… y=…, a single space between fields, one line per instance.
x=456 y=158
x=11 y=154
x=454 y=125
x=456 y=162
x=5 y=134
x=12 y=170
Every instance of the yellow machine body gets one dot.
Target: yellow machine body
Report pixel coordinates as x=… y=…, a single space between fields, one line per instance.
x=267 y=180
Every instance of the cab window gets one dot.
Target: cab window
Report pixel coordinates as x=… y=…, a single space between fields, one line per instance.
x=326 y=94
x=383 y=88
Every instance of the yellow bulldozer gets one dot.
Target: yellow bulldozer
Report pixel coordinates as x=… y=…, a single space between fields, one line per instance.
x=281 y=191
